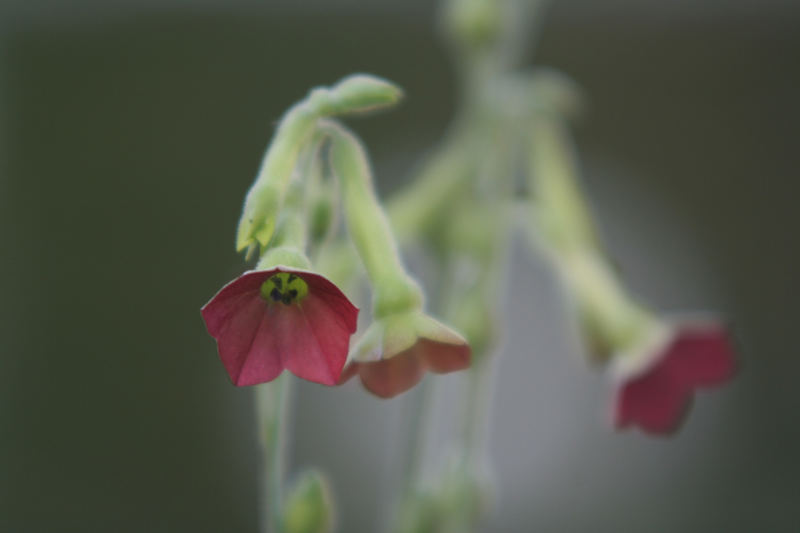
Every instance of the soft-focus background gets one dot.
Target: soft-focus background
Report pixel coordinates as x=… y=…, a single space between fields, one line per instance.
x=130 y=133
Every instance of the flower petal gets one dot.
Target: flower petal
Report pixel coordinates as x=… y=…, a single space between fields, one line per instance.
x=701 y=355
x=257 y=339
x=442 y=349
x=442 y=358
x=325 y=323
x=264 y=361
x=652 y=401
x=389 y=377
x=229 y=299
x=340 y=306
x=320 y=342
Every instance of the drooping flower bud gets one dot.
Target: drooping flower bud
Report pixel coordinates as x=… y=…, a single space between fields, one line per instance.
x=355 y=94
x=265 y=198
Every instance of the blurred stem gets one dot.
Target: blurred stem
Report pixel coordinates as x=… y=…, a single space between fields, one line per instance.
x=475 y=413
x=272 y=411
x=417 y=435
x=486 y=47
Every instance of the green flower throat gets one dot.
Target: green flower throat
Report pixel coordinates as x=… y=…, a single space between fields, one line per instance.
x=284 y=287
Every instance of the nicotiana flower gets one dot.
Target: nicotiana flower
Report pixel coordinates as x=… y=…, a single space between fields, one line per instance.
x=397 y=349
x=657 y=382
x=266 y=321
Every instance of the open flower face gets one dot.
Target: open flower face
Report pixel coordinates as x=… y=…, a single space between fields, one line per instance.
x=266 y=321
x=396 y=351
x=657 y=396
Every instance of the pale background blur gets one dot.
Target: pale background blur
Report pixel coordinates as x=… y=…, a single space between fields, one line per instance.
x=130 y=133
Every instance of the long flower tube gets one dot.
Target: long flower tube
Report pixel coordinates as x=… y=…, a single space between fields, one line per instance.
x=402 y=342
x=656 y=363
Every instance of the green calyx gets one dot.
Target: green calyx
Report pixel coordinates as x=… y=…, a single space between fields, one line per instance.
x=393 y=334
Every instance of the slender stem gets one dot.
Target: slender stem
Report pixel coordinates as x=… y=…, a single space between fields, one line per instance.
x=420 y=410
x=272 y=408
x=369 y=227
x=475 y=418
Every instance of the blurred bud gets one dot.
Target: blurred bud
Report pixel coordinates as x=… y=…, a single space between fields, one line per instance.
x=309 y=506
x=473 y=23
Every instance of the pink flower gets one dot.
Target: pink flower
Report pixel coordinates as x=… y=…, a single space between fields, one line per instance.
x=396 y=351
x=266 y=321
x=657 y=394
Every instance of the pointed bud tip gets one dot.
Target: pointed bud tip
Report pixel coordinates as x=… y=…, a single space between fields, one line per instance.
x=363 y=93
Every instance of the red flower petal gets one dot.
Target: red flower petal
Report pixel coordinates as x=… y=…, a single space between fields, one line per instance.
x=656 y=400
x=443 y=358
x=322 y=339
x=389 y=377
x=653 y=402
x=258 y=339
x=263 y=360
x=702 y=355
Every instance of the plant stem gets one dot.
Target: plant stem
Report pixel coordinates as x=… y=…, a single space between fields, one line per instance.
x=272 y=408
x=417 y=436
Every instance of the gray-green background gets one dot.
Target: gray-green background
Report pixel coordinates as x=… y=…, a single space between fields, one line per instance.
x=130 y=132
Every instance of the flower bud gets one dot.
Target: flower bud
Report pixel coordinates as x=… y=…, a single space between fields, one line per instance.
x=265 y=198
x=473 y=23
x=358 y=93
x=309 y=505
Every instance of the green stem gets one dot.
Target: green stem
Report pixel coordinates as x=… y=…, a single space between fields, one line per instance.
x=611 y=319
x=563 y=213
x=417 y=413
x=368 y=225
x=419 y=410
x=475 y=414
x=272 y=408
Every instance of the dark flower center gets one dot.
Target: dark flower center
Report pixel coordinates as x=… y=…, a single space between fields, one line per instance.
x=284 y=287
